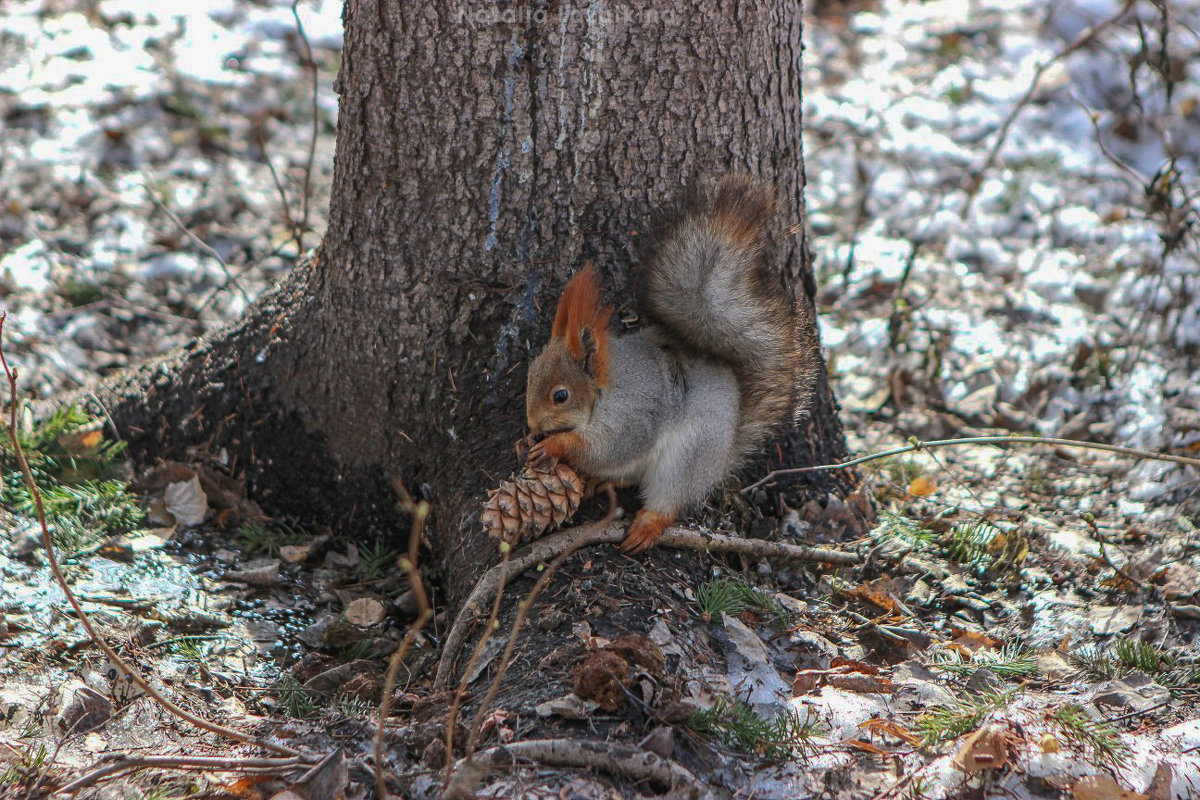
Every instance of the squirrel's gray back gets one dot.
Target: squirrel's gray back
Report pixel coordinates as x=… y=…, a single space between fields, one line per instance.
x=652 y=390
x=709 y=285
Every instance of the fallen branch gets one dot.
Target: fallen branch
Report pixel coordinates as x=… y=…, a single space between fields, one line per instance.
x=572 y=539
x=116 y=660
x=914 y=444
x=628 y=762
x=127 y=764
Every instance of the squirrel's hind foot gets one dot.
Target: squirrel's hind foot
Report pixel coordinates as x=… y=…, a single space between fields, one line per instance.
x=646 y=529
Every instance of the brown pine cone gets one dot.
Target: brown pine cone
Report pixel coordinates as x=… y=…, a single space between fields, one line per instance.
x=531 y=504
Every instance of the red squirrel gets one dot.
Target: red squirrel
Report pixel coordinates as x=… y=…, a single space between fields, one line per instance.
x=677 y=405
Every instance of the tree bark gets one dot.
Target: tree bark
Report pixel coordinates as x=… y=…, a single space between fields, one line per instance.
x=484 y=153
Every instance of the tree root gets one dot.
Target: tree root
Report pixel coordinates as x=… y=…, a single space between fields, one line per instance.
x=627 y=762
x=553 y=545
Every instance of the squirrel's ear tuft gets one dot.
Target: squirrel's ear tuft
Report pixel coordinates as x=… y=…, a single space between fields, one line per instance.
x=582 y=323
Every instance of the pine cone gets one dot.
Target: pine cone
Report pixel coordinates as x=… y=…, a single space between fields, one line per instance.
x=531 y=504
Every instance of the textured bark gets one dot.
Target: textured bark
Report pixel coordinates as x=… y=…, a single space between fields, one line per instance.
x=484 y=153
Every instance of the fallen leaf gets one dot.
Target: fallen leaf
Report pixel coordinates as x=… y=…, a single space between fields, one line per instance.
x=83 y=708
x=1180 y=581
x=879 y=725
x=365 y=612
x=570 y=706
x=295 y=553
x=986 y=748
x=864 y=745
x=849 y=676
x=1102 y=787
x=1160 y=785
x=880 y=593
x=922 y=486
x=186 y=502
x=972 y=641
x=79 y=443
x=326 y=781
x=1108 y=620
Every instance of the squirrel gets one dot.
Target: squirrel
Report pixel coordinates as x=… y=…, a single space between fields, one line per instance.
x=675 y=406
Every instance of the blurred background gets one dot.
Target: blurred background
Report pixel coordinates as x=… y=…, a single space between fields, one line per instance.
x=1001 y=196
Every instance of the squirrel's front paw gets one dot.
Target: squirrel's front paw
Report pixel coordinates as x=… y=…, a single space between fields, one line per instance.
x=557 y=447
x=645 y=530
x=524 y=446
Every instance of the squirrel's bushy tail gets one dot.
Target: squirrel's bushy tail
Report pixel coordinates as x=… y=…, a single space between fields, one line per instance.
x=710 y=283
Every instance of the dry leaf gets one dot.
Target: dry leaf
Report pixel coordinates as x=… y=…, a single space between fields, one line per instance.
x=889 y=727
x=186 y=502
x=295 y=553
x=365 y=612
x=848 y=676
x=972 y=641
x=986 y=748
x=81 y=442
x=1102 y=787
x=922 y=486
x=864 y=745
x=880 y=593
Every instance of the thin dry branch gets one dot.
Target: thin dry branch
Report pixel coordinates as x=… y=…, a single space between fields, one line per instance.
x=127 y=764
x=506 y=657
x=628 y=762
x=936 y=443
x=572 y=539
x=115 y=658
x=420 y=513
x=275 y=179
x=312 y=140
x=1084 y=38
x=456 y=703
x=523 y=609
x=196 y=240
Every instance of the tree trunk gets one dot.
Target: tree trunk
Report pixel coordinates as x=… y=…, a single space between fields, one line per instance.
x=484 y=153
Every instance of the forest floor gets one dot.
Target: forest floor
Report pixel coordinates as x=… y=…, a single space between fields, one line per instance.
x=1001 y=205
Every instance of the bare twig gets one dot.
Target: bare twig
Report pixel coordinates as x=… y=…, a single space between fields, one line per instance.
x=420 y=513
x=522 y=613
x=1084 y=38
x=1141 y=711
x=196 y=240
x=489 y=627
x=918 y=445
x=1090 y=520
x=283 y=199
x=506 y=657
x=632 y=763
x=127 y=764
x=117 y=661
x=551 y=546
x=312 y=140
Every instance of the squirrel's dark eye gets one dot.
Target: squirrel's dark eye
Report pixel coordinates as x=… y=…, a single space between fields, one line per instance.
x=560 y=396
